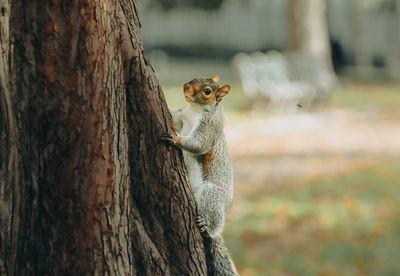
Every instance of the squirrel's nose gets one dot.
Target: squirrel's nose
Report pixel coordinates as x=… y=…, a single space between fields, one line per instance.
x=188 y=90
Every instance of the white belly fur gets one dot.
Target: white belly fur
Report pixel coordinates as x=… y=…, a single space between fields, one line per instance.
x=195 y=175
x=190 y=120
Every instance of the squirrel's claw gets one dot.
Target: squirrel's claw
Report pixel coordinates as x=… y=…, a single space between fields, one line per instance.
x=201 y=223
x=167 y=137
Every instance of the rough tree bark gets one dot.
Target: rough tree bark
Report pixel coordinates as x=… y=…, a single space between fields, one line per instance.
x=166 y=239
x=86 y=187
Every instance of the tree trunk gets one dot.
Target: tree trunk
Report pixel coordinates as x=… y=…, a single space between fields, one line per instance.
x=86 y=187
x=309 y=33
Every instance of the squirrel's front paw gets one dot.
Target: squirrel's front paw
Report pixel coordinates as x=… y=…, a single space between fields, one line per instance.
x=201 y=223
x=171 y=139
x=168 y=138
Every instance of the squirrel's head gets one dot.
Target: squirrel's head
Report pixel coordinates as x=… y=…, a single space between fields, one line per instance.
x=205 y=91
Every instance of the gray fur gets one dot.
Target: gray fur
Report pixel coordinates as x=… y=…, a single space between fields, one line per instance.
x=212 y=187
x=219 y=260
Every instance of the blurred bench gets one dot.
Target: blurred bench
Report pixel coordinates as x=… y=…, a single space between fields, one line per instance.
x=282 y=80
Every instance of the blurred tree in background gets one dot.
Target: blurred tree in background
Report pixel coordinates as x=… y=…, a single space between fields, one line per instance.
x=309 y=33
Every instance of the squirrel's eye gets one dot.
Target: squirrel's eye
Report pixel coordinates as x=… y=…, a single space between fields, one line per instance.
x=207 y=91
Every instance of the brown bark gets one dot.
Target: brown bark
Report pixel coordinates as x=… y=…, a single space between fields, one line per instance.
x=85 y=185
x=163 y=203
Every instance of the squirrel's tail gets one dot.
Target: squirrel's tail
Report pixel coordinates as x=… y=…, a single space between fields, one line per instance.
x=219 y=262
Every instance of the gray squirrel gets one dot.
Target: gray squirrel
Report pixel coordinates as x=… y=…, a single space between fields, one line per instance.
x=201 y=137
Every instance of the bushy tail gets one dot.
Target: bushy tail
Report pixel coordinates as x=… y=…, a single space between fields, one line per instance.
x=219 y=262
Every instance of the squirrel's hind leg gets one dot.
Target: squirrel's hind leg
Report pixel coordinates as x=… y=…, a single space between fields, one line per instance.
x=212 y=205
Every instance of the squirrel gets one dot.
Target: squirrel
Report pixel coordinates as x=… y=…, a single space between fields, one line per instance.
x=201 y=137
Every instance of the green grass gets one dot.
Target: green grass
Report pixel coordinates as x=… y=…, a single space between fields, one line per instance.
x=348 y=225
x=363 y=96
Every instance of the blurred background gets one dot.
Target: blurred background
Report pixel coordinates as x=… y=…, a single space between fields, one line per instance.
x=312 y=124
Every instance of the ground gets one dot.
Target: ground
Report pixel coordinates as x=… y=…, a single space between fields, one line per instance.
x=316 y=193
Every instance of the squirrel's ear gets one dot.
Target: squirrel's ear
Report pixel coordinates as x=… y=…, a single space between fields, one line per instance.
x=215 y=78
x=222 y=92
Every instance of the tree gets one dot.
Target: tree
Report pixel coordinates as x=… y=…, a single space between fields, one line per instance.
x=309 y=34
x=86 y=187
